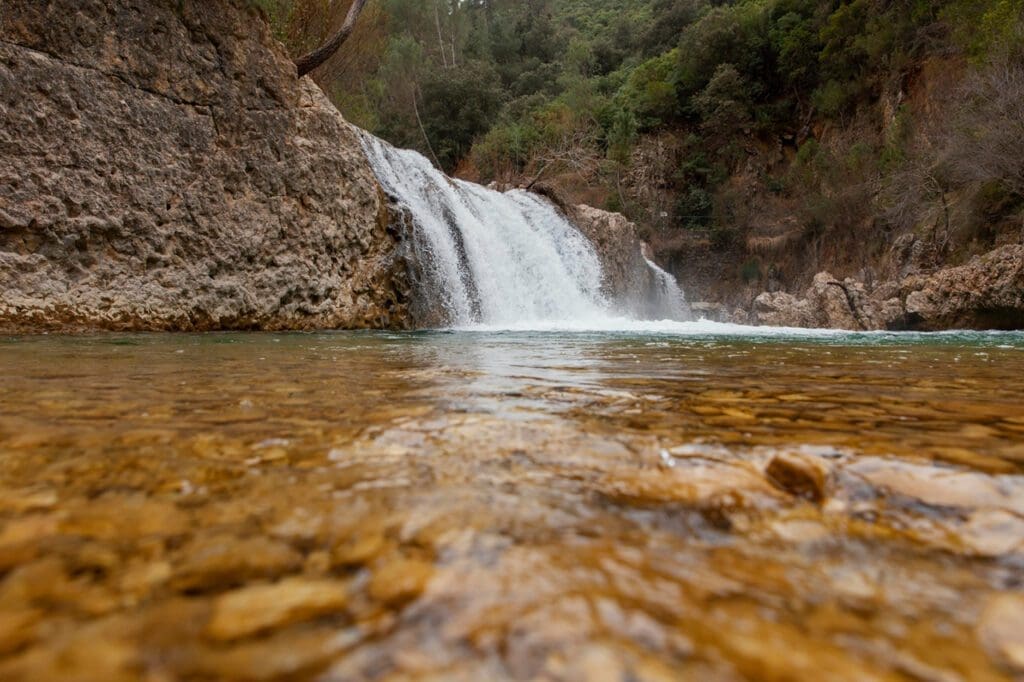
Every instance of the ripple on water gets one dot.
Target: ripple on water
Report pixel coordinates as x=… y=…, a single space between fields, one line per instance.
x=640 y=505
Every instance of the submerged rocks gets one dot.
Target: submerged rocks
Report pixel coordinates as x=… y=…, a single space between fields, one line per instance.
x=986 y=293
x=800 y=475
x=251 y=610
x=1001 y=631
x=164 y=169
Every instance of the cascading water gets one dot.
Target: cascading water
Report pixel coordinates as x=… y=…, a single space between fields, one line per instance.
x=669 y=300
x=499 y=259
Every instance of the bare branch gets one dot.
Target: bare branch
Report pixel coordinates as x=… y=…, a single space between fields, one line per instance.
x=317 y=57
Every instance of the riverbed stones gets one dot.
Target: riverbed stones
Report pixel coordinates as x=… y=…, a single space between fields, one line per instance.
x=401 y=580
x=250 y=610
x=162 y=168
x=220 y=560
x=799 y=475
x=613 y=514
x=124 y=517
x=1001 y=630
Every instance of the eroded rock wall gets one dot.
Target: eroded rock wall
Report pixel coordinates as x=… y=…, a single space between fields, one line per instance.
x=629 y=283
x=986 y=293
x=162 y=168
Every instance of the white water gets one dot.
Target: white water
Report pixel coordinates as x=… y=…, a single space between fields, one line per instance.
x=493 y=260
x=670 y=296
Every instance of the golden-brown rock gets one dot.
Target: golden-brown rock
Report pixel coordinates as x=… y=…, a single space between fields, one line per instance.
x=1001 y=630
x=161 y=168
x=400 y=580
x=799 y=475
x=221 y=560
x=250 y=610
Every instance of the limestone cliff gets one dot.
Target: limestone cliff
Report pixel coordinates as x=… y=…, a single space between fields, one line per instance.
x=162 y=168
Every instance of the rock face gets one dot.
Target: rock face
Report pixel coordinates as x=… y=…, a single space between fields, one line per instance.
x=629 y=282
x=163 y=169
x=986 y=293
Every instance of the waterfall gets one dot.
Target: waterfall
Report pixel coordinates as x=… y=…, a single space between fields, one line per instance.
x=669 y=301
x=497 y=259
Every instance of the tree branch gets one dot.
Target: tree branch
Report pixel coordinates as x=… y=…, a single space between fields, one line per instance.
x=317 y=57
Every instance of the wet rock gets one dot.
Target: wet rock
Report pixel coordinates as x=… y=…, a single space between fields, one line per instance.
x=942 y=486
x=124 y=517
x=174 y=174
x=629 y=282
x=224 y=560
x=142 y=578
x=596 y=663
x=289 y=655
x=799 y=475
x=20 y=538
x=993 y=533
x=1001 y=631
x=102 y=651
x=400 y=581
x=17 y=628
x=801 y=531
x=251 y=610
x=23 y=501
x=359 y=549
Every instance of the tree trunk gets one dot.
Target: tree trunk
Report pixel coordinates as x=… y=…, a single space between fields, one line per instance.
x=317 y=57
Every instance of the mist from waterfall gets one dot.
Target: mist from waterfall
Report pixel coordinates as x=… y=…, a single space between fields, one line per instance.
x=506 y=260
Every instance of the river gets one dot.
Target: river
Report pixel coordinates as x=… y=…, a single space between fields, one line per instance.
x=711 y=504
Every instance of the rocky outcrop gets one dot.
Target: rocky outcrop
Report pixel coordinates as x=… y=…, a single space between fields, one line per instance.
x=986 y=293
x=163 y=168
x=629 y=282
x=618 y=247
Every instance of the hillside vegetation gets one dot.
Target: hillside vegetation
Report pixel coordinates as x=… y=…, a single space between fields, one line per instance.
x=754 y=141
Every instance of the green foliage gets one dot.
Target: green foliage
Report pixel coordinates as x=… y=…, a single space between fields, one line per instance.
x=750 y=271
x=984 y=28
x=459 y=105
x=650 y=93
x=659 y=102
x=734 y=34
x=694 y=209
x=724 y=104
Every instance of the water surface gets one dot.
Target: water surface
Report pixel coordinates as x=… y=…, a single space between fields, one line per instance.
x=512 y=505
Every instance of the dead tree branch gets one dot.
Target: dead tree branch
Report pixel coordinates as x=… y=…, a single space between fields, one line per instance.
x=317 y=57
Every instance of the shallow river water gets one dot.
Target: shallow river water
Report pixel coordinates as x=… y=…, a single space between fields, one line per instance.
x=489 y=506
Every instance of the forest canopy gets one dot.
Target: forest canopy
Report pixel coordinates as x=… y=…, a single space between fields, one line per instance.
x=513 y=90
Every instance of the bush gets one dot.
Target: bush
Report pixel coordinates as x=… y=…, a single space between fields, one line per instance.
x=458 y=105
x=735 y=34
x=650 y=93
x=694 y=209
x=724 y=105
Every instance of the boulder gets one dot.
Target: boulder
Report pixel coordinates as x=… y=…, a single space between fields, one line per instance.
x=630 y=283
x=779 y=309
x=162 y=168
